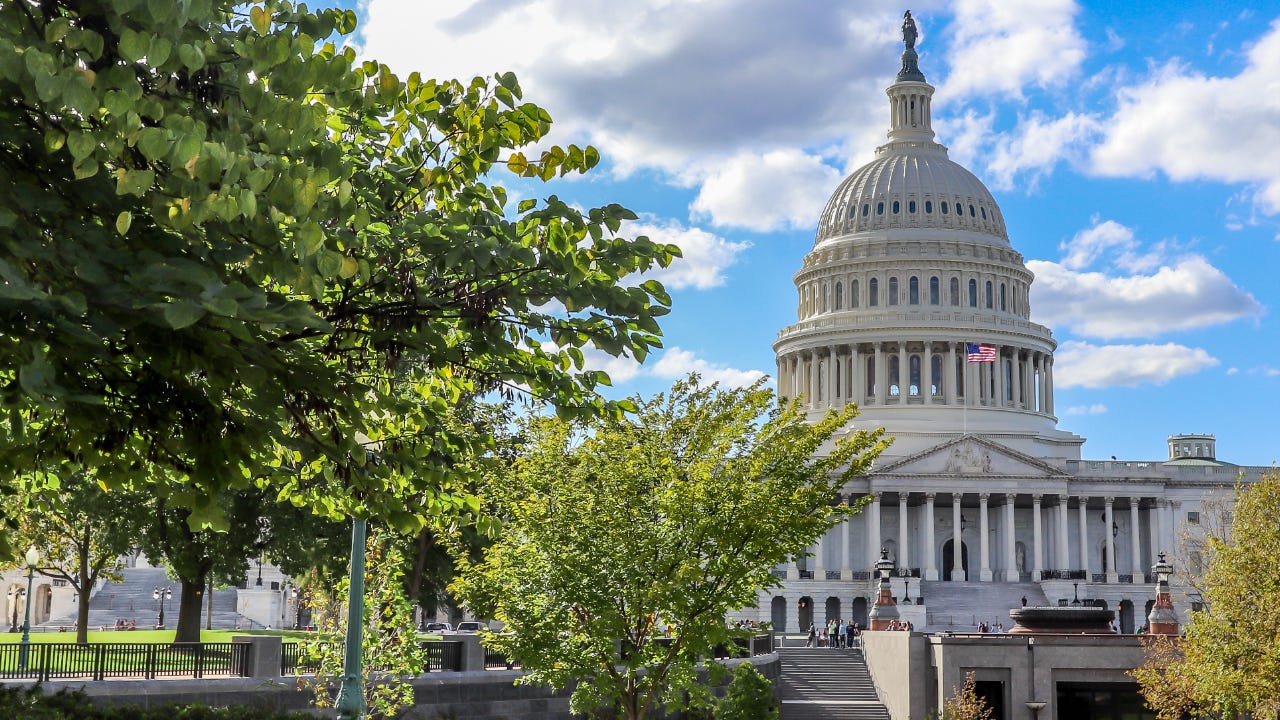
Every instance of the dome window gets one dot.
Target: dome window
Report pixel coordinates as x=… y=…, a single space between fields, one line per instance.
x=983 y=210
x=943 y=207
x=928 y=207
x=955 y=292
x=973 y=293
x=989 y=297
x=866 y=209
x=893 y=291
x=1002 y=297
x=933 y=291
x=880 y=208
x=853 y=293
x=873 y=292
x=896 y=207
x=911 y=207
x=971 y=212
x=913 y=291
x=959 y=209
x=840 y=295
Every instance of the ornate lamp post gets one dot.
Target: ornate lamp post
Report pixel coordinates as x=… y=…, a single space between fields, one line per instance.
x=350 y=700
x=33 y=559
x=162 y=596
x=1162 y=620
x=885 y=610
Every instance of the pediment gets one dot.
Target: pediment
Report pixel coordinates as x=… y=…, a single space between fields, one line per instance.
x=970 y=455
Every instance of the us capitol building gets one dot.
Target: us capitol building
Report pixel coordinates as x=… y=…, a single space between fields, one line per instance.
x=981 y=501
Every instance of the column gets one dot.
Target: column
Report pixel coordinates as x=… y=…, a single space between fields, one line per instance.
x=881 y=374
x=873 y=531
x=1038 y=542
x=957 y=569
x=793 y=570
x=845 y=572
x=949 y=384
x=1064 y=549
x=997 y=367
x=1048 y=392
x=926 y=373
x=984 y=574
x=783 y=391
x=831 y=377
x=1108 y=522
x=930 y=558
x=819 y=561
x=1135 y=539
x=1084 y=539
x=1039 y=378
x=1015 y=370
x=1010 y=540
x=813 y=379
x=904 y=373
x=857 y=385
x=904 y=538
x=1175 y=528
x=1162 y=517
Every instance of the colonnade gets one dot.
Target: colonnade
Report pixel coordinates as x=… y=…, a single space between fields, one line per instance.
x=927 y=373
x=1006 y=550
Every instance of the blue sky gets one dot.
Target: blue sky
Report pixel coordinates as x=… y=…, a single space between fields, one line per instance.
x=1134 y=149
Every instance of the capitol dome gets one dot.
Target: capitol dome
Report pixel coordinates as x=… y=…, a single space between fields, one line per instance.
x=914 y=304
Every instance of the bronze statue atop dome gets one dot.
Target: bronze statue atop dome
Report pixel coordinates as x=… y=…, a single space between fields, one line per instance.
x=909 y=32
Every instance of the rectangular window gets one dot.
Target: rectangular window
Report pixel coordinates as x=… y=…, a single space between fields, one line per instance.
x=1193 y=517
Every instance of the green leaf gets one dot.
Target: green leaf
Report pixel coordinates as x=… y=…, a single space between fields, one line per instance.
x=123 y=221
x=134 y=45
x=260 y=19
x=154 y=143
x=182 y=314
x=81 y=144
x=134 y=182
x=192 y=57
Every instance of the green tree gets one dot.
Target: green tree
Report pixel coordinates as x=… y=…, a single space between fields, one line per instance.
x=748 y=697
x=1228 y=663
x=965 y=703
x=225 y=238
x=82 y=532
x=619 y=527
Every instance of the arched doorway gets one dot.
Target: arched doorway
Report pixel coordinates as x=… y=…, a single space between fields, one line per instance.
x=947 y=552
x=833 y=609
x=1126 y=617
x=858 y=611
x=778 y=614
x=806 y=613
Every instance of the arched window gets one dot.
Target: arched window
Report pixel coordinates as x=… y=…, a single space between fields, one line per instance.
x=822 y=298
x=880 y=208
x=971 y=212
x=873 y=292
x=1002 y=298
x=839 y=295
x=893 y=291
x=959 y=209
x=911 y=207
x=983 y=212
x=853 y=293
x=933 y=291
x=913 y=291
x=871 y=376
x=866 y=209
x=894 y=390
x=943 y=206
x=896 y=207
x=989 y=298
x=973 y=293
x=928 y=207
x=914 y=387
x=935 y=377
x=955 y=292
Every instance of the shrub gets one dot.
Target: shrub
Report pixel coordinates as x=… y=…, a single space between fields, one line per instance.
x=748 y=697
x=31 y=703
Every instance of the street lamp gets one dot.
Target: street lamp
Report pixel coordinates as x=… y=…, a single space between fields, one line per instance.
x=33 y=559
x=1076 y=600
x=161 y=596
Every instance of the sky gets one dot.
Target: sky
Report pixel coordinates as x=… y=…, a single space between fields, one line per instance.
x=1134 y=149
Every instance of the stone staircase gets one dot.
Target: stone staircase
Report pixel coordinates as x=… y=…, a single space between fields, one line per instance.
x=827 y=684
x=131 y=600
x=962 y=605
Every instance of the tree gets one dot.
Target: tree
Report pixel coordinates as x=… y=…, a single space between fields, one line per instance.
x=748 y=697
x=1228 y=664
x=81 y=531
x=618 y=527
x=226 y=239
x=966 y=704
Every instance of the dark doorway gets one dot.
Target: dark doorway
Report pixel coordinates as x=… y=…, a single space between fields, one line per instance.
x=1126 y=617
x=778 y=614
x=992 y=693
x=947 y=551
x=833 y=609
x=806 y=614
x=1101 y=701
x=858 y=612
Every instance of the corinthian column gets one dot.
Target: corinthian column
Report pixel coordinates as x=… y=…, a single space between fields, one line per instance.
x=984 y=574
x=1135 y=543
x=1038 y=542
x=1113 y=575
x=930 y=557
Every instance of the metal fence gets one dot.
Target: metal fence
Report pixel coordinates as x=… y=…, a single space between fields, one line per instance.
x=51 y=661
x=293 y=661
x=443 y=655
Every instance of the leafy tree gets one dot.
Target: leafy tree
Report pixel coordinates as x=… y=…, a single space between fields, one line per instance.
x=1229 y=661
x=748 y=697
x=82 y=531
x=966 y=704
x=224 y=237
x=1164 y=680
x=615 y=528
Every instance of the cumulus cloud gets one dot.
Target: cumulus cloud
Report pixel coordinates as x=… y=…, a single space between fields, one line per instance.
x=1190 y=126
x=1080 y=364
x=1094 y=409
x=1111 y=238
x=783 y=188
x=1001 y=46
x=670 y=365
x=705 y=258
x=1038 y=144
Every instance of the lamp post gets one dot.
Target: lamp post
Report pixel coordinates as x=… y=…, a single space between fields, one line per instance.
x=33 y=559
x=350 y=701
x=162 y=596
x=885 y=610
x=1076 y=599
x=1162 y=620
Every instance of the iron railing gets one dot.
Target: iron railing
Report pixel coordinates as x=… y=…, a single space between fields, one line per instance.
x=53 y=661
x=443 y=655
x=294 y=661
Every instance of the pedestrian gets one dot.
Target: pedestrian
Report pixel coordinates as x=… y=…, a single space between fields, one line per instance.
x=1024 y=601
x=813 y=636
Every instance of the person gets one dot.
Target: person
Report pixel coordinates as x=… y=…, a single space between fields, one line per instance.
x=133 y=623
x=1024 y=601
x=982 y=627
x=813 y=636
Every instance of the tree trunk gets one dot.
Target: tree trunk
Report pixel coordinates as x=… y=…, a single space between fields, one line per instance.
x=189 y=611
x=84 y=587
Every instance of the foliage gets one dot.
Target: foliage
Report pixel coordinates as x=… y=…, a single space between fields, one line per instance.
x=1230 y=663
x=1163 y=678
x=236 y=253
x=965 y=704
x=32 y=703
x=748 y=697
x=617 y=528
x=391 y=649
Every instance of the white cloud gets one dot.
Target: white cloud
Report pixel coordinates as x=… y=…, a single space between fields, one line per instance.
x=1002 y=46
x=1190 y=126
x=705 y=256
x=676 y=363
x=1110 y=238
x=783 y=188
x=1039 y=144
x=1094 y=409
x=1080 y=364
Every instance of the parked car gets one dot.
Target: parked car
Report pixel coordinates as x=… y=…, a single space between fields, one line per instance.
x=471 y=626
x=438 y=627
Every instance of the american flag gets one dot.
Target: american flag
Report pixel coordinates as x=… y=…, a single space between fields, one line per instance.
x=980 y=353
